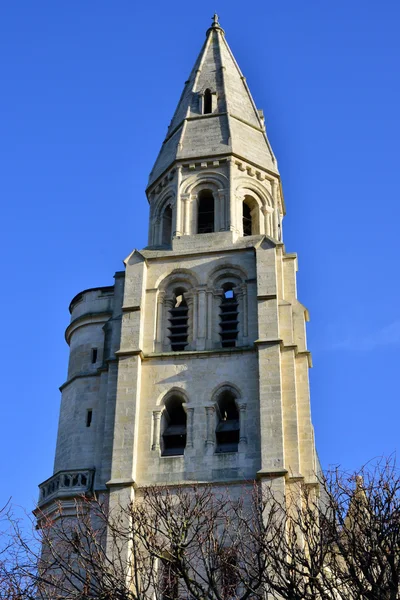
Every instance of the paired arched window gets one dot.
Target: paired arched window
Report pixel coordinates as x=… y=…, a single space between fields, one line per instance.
x=229 y=317
x=205 y=212
x=178 y=321
x=166 y=226
x=228 y=427
x=173 y=427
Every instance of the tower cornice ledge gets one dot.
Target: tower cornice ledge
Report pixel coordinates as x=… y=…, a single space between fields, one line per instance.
x=270 y=473
x=185 y=161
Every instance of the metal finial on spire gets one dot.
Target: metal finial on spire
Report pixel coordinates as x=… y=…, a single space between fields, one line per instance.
x=215 y=25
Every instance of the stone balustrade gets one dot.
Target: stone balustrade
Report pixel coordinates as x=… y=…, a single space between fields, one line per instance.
x=66 y=484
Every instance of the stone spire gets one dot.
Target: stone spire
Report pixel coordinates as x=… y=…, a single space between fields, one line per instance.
x=216 y=115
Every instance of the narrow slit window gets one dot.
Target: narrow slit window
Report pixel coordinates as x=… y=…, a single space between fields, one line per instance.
x=178 y=322
x=94 y=355
x=89 y=416
x=207 y=102
x=229 y=318
x=228 y=428
x=205 y=215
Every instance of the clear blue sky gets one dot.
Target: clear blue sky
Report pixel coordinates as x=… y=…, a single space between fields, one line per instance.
x=88 y=88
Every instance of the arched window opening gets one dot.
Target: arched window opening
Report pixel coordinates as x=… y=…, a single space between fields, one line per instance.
x=229 y=317
x=207 y=102
x=174 y=433
x=247 y=220
x=167 y=225
x=178 y=322
x=205 y=215
x=250 y=216
x=228 y=428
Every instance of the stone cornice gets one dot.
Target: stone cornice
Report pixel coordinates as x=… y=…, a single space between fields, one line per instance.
x=90 y=318
x=80 y=376
x=199 y=353
x=271 y=473
x=269 y=174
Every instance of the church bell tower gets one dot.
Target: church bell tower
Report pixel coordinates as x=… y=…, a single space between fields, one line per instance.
x=193 y=366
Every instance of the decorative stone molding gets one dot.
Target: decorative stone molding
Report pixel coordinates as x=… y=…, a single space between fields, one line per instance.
x=66 y=484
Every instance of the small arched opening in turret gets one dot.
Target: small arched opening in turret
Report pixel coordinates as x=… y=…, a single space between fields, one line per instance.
x=228 y=427
x=174 y=427
x=250 y=216
x=205 y=214
x=167 y=225
x=207 y=102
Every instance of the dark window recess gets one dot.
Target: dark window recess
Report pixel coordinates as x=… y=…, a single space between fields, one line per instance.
x=94 y=355
x=229 y=319
x=178 y=323
x=229 y=574
x=89 y=415
x=205 y=215
x=207 y=102
x=169 y=581
x=167 y=226
x=174 y=436
x=228 y=428
x=247 y=221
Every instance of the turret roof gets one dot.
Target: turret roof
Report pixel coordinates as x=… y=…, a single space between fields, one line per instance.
x=235 y=126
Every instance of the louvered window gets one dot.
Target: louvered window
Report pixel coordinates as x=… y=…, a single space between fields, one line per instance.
x=228 y=427
x=174 y=433
x=178 y=322
x=229 y=319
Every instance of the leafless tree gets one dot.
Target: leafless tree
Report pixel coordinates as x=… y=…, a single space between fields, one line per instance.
x=336 y=539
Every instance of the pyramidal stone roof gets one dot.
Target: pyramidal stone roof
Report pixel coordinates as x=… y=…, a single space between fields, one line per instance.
x=234 y=127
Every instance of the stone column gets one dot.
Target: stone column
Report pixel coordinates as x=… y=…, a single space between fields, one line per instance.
x=210 y=319
x=231 y=199
x=191 y=300
x=156 y=430
x=202 y=317
x=264 y=225
x=220 y=219
x=210 y=421
x=160 y=322
x=185 y=198
x=157 y=232
x=189 y=426
x=178 y=205
x=245 y=317
x=242 y=423
x=275 y=233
